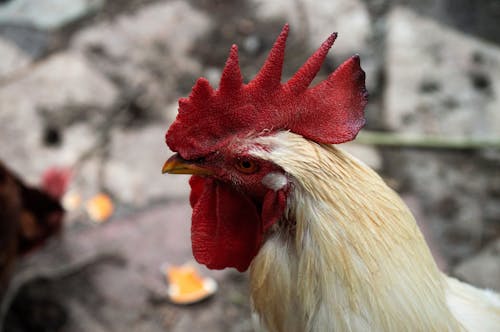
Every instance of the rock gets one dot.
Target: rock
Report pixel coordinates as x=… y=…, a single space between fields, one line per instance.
x=13 y=59
x=318 y=19
x=251 y=44
x=174 y=25
x=33 y=42
x=482 y=270
x=311 y=22
x=454 y=208
x=65 y=79
x=133 y=171
x=440 y=81
x=147 y=51
x=46 y=14
x=42 y=109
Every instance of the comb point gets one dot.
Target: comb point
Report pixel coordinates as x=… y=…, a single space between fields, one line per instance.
x=201 y=91
x=304 y=76
x=231 y=79
x=269 y=76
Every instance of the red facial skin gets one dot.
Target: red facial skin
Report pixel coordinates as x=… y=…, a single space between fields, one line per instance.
x=227 y=167
x=233 y=209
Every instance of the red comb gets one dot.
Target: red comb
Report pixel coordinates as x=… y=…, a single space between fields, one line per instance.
x=331 y=112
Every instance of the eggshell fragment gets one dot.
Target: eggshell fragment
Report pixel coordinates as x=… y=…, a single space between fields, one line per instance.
x=186 y=286
x=100 y=207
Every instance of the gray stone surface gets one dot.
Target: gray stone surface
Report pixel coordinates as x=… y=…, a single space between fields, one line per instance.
x=46 y=14
x=13 y=59
x=67 y=79
x=440 y=81
x=315 y=20
x=454 y=190
x=59 y=93
x=133 y=172
x=33 y=42
x=443 y=82
x=311 y=22
x=483 y=269
x=147 y=51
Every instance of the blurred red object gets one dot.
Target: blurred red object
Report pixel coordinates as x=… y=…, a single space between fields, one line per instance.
x=55 y=181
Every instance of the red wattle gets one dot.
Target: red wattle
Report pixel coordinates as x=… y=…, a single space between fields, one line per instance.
x=273 y=207
x=226 y=229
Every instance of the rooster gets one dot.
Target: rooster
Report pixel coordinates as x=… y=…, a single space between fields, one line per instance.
x=28 y=215
x=329 y=245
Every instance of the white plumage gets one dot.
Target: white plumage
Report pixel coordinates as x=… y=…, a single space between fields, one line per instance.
x=350 y=256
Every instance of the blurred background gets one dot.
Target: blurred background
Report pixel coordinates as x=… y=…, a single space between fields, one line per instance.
x=92 y=86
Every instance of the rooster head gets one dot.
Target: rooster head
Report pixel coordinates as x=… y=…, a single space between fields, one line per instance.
x=237 y=197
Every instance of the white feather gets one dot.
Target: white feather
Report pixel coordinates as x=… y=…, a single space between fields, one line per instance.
x=349 y=255
x=275 y=181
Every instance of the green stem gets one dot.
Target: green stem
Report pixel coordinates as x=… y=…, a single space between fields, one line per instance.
x=419 y=141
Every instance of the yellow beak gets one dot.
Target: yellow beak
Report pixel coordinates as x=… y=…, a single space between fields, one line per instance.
x=177 y=165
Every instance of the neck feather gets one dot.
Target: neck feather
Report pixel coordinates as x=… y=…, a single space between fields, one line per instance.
x=356 y=260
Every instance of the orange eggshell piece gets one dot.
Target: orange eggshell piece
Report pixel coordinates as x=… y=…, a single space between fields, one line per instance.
x=100 y=207
x=187 y=286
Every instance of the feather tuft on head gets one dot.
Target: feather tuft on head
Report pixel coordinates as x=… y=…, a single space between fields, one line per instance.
x=331 y=112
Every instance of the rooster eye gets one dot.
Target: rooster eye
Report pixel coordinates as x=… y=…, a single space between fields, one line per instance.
x=246 y=166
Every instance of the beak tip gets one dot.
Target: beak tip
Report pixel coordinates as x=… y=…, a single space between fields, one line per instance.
x=167 y=167
x=176 y=165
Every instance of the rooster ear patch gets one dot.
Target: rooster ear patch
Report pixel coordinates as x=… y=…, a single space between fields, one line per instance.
x=331 y=112
x=275 y=181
